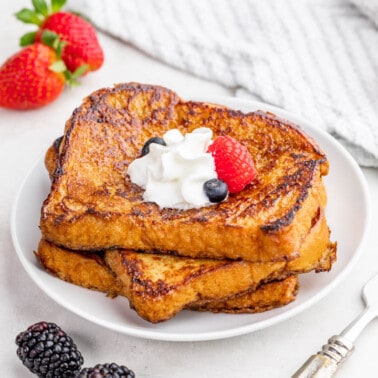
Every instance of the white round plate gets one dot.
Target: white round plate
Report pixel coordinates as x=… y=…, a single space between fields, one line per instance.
x=348 y=217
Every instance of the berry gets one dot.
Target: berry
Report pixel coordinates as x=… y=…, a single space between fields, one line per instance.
x=31 y=78
x=216 y=190
x=82 y=46
x=146 y=147
x=106 y=370
x=81 y=49
x=233 y=163
x=48 y=351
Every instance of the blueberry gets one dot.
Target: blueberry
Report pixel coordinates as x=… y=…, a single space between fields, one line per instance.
x=146 y=147
x=216 y=190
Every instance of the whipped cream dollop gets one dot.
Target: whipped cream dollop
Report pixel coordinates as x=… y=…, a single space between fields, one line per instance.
x=173 y=175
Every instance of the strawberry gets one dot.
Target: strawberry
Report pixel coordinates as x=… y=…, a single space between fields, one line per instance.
x=36 y=75
x=27 y=81
x=82 y=47
x=233 y=163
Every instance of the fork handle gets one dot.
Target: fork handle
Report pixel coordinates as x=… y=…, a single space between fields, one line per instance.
x=325 y=363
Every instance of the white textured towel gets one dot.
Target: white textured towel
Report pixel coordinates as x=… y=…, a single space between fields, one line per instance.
x=318 y=58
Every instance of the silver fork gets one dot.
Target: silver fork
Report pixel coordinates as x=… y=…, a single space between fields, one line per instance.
x=325 y=363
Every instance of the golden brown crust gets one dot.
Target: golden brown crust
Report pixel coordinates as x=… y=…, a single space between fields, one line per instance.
x=93 y=205
x=159 y=286
x=86 y=269
x=266 y=297
x=89 y=270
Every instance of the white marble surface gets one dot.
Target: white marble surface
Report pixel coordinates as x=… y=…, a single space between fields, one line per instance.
x=274 y=352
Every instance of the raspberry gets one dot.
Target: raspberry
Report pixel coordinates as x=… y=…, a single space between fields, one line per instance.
x=233 y=163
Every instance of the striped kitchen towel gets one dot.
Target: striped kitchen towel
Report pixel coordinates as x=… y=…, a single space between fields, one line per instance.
x=317 y=58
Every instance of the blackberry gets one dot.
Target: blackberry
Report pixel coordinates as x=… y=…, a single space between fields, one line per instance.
x=146 y=147
x=107 y=370
x=48 y=351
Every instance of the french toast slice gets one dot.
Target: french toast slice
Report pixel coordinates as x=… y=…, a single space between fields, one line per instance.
x=86 y=269
x=159 y=286
x=93 y=205
x=266 y=297
x=90 y=271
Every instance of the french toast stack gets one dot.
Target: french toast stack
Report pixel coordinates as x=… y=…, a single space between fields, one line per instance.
x=241 y=255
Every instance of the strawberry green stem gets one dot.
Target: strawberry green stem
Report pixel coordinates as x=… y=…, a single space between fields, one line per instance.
x=40 y=7
x=40 y=11
x=57 y=5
